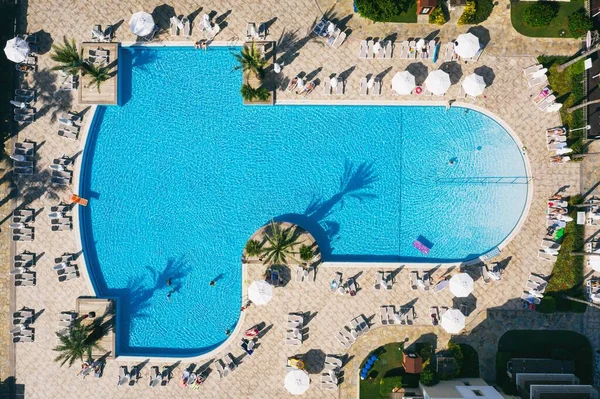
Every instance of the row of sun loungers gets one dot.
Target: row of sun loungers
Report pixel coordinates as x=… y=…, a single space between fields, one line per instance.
x=30 y=64
x=21 y=231
x=23 y=275
x=536 y=77
x=98 y=35
x=98 y=56
x=252 y=33
x=489 y=275
x=303 y=274
x=334 y=36
x=60 y=220
x=23 y=156
x=424 y=282
x=25 y=259
x=21 y=330
x=348 y=335
x=592 y=288
x=371 y=86
x=334 y=85
x=66 y=271
x=24 y=100
x=70 y=124
x=388 y=315
x=383 y=280
x=69 y=82
x=294 y=328
x=371 y=49
x=556 y=218
x=330 y=373
x=535 y=286
x=180 y=27
x=556 y=140
x=225 y=365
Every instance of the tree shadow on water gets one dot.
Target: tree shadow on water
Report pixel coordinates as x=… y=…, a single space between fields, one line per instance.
x=355 y=183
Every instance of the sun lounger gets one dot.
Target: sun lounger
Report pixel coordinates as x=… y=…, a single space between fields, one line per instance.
x=134 y=375
x=299 y=274
x=426 y=281
x=547 y=243
x=123 y=376
x=347 y=336
x=449 y=54
x=229 y=362
x=341 y=37
x=363 y=49
x=378 y=280
x=412 y=50
x=342 y=340
x=336 y=282
x=251 y=31
x=187 y=27
x=389 y=46
x=370 y=45
x=311 y=275
x=531 y=69
x=414 y=277
x=331 y=39
x=485 y=276
x=66 y=270
x=404 y=46
x=351 y=285
x=156 y=377
x=538 y=280
x=173 y=22
x=546 y=256
x=376 y=90
x=363 y=86
x=356 y=327
x=62 y=181
x=24 y=283
x=293 y=341
x=24 y=118
x=383 y=315
x=363 y=325
x=295 y=318
x=334 y=361
x=22 y=339
x=340 y=86
x=538 y=81
x=547 y=102
x=67 y=134
x=67 y=277
x=381 y=52
x=530 y=298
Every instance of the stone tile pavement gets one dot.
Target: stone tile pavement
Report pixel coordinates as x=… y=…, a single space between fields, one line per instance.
x=262 y=374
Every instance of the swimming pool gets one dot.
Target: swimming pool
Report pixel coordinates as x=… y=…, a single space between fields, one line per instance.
x=182 y=174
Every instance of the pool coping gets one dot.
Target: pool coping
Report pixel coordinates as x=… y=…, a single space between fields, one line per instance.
x=411 y=265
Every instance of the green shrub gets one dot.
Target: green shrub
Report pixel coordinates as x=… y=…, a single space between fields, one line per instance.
x=262 y=94
x=428 y=376
x=468 y=14
x=253 y=248
x=540 y=13
x=579 y=23
x=548 y=305
x=457 y=355
x=387 y=384
x=426 y=352
x=438 y=16
x=381 y=10
x=483 y=9
x=306 y=253
x=249 y=93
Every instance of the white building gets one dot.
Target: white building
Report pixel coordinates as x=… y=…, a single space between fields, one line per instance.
x=461 y=388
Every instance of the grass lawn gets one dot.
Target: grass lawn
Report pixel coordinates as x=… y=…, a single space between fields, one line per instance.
x=389 y=364
x=558 y=24
x=546 y=344
x=408 y=16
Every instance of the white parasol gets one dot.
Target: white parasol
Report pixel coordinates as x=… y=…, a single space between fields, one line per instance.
x=260 y=292
x=403 y=82
x=474 y=85
x=141 y=23
x=438 y=82
x=461 y=285
x=453 y=321
x=297 y=382
x=466 y=45
x=16 y=49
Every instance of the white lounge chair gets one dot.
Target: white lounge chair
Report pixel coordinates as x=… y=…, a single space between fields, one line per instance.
x=173 y=21
x=388 y=280
x=251 y=31
x=379 y=49
x=339 y=40
x=311 y=275
x=362 y=51
x=299 y=274
x=370 y=45
x=546 y=256
x=187 y=27
x=363 y=86
x=340 y=86
x=376 y=91
x=412 y=50
x=531 y=69
x=336 y=282
x=414 y=277
x=547 y=243
x=383 y=315
x=123 y=376
x=155 y=377
x=389 y=48
x=343 y=340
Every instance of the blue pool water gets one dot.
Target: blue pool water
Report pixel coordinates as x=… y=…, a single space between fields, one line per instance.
x=182 y=174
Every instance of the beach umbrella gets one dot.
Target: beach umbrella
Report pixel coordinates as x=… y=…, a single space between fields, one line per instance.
x=297 y=382
x=16 y=49
x=141 y=23
x=403 y=82
x=260 y=292
x=461 y=285
x=466 y=45
x=438 y=82
x=453 y=321
x=474 y=85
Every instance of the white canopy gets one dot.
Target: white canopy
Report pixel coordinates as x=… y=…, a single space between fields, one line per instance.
x=141 y=23
x=453 y=321
x=297 y=382
x=403 y=82
x=474 y=85
x=16 y=49
x=461 y=285
x=466 y=45
x=438 y=82
x=260 y=292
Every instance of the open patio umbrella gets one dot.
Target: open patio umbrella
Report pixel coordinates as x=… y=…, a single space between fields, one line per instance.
x=403 y=82
x=141 y=23
x=438 y=82
x=474 y=85
x=461 y=285
x=260 y=292
x=466 y=45
x=16 y=49
x=297 y=382
x=453 y=321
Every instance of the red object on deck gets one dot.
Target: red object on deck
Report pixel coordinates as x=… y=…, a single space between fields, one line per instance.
x=78 y=200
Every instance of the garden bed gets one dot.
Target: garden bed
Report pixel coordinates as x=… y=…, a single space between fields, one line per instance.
x=404 y=11
x=558 y=27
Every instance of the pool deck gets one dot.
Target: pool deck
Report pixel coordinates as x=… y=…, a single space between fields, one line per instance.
x=107 y=93
x=493 y=307
x=105 y=315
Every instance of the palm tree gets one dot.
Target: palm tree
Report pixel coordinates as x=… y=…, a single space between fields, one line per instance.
x=70 y=60
x=253 y=248
x=280 y=244
x=250 y=60
x=98 y=74
x=76 y=344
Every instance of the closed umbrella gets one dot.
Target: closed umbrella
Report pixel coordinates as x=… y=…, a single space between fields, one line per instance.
x=141 y=23
x=474 y=85
x=438 y=82
x=297 y=382
x=260 y=292
x=466 y=45
x=461 y=285
x=16 y=49
x=403 y=82
x=453 y=321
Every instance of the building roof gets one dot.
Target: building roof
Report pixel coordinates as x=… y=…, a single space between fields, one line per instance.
x=426 y=3
x=413 y=364
x=563 y=392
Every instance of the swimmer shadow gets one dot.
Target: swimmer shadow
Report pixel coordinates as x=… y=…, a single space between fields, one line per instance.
x=318 y=218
